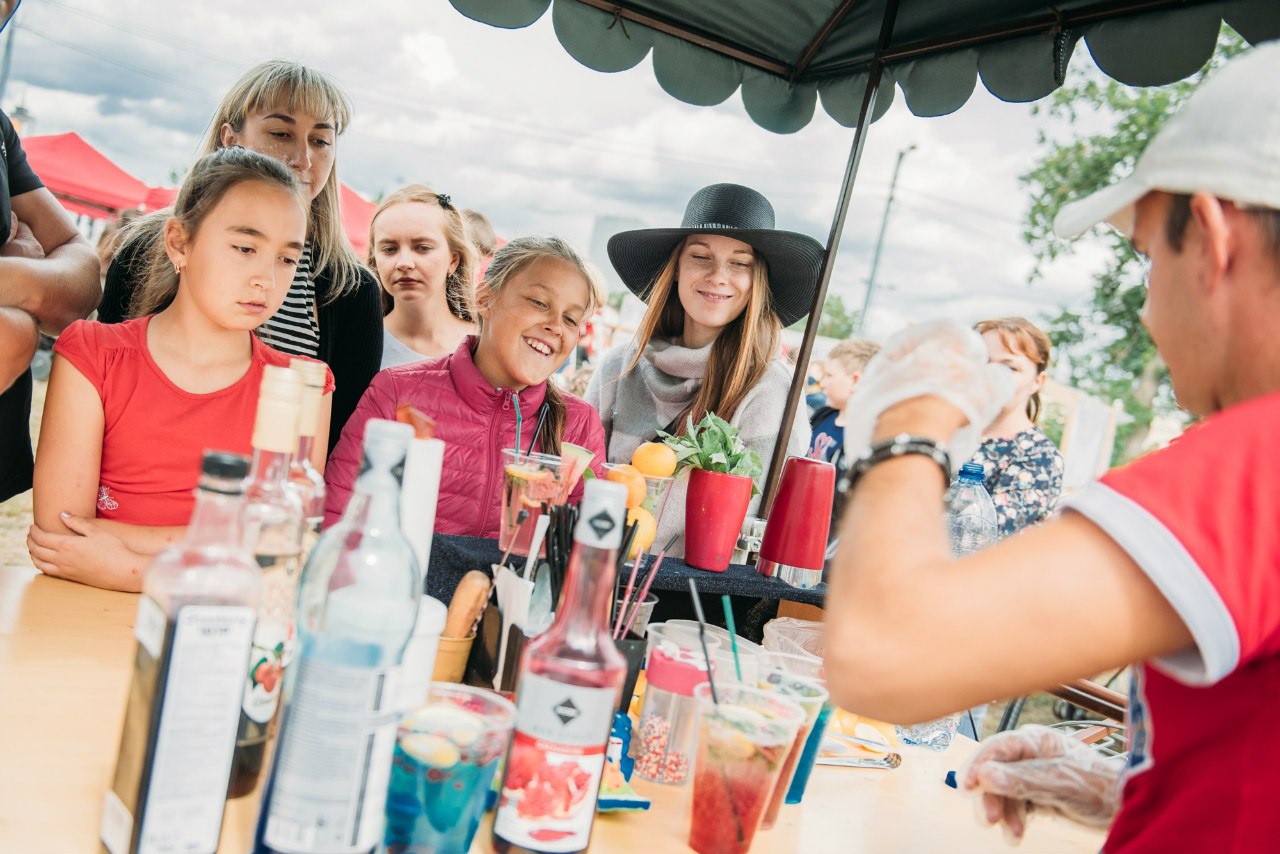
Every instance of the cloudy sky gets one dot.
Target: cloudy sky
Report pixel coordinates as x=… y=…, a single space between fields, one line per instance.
x=509 y=124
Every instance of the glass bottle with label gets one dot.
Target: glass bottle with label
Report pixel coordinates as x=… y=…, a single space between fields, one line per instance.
x=194 y=627
x=357 y=603
x=273 y=532
x=302 y=474
x=570 y=679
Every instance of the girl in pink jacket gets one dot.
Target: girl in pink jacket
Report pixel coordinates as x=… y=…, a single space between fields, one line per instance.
x=536 y=296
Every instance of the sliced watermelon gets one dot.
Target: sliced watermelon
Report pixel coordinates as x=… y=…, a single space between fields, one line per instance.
x=574 y=460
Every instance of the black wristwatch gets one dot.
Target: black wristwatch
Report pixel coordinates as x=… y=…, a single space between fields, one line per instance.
x=899 y=446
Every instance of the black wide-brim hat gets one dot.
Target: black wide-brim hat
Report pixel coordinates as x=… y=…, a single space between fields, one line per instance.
x=794 y=260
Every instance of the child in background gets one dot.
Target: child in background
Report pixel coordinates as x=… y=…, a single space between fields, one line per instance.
x=131 y=406
x=840 y=374
x=490 y=393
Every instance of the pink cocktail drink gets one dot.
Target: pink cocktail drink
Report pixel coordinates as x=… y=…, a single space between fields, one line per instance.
x=810 y=695
x=528 y=482
x=743 y=744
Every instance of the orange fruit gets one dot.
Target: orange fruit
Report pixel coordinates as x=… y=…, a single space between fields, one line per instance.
x=644 y=534
x=654 y=459
x=632 y=480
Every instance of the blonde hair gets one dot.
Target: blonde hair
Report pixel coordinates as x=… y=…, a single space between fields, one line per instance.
x=301 y=89
x=481 y=232
x=853 y=354
x=741 y=352
x=1025 y=338
x=459 y=286
x=209 y=180
x=514 y=256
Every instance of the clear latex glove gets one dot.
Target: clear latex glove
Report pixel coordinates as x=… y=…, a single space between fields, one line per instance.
x=1037 y=768
x=942 y=359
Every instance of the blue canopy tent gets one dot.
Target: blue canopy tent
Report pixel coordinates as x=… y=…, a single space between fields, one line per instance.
x=852 y=56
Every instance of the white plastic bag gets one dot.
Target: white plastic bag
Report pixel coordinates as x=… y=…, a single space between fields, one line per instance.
x=795 y=637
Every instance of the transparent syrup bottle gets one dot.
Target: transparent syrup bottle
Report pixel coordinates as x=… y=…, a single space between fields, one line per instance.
x=194 y=627
x=302 y=474
x=571 y=676
x=357 y=604
x=273 y=527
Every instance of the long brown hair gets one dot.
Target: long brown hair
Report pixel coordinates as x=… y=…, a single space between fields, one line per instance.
x=209 y=180
x=741 y=352
x=459 y=286
x=1025 y=338
x=511 y=258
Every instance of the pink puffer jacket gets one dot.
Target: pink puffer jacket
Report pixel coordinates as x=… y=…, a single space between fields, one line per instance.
x=475 y=420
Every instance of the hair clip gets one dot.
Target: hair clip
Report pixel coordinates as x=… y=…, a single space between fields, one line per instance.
x=443 y=199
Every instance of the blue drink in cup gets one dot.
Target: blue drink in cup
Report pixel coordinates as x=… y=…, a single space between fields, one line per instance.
x=446 y=753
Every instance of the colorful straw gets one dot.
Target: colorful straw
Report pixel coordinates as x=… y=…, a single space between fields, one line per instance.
x=648 y=582
x=702 y=639
x=733 y=633
x=626 y=598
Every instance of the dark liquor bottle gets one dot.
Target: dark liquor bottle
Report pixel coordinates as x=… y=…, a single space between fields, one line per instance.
x=194 y=627
x=357 y=605
x=273 y=525
x=571 y=676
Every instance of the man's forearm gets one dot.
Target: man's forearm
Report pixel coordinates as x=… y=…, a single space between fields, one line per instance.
x=55 y=290
x=18 y=341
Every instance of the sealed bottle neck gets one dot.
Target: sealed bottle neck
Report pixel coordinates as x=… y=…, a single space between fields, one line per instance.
x=302 y=459
x=588 y=583
x=216 y=518
x=376 y=500
x=269 y=466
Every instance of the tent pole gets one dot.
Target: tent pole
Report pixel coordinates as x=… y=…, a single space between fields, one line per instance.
x=875 y=72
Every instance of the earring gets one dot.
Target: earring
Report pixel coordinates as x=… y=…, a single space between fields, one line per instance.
x=177 y=269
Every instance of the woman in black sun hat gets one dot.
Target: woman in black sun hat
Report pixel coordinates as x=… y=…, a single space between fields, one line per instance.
x=720 y=289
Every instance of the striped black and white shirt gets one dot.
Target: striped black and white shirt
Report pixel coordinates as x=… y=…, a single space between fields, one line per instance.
x=294 y=329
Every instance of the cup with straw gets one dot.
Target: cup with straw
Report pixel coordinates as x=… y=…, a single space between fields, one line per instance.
x=745 y=735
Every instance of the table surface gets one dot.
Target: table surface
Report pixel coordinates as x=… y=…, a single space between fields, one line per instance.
x=65 y=663
x=452 y=556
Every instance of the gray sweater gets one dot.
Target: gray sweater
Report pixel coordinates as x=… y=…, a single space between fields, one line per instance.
x=635 y=406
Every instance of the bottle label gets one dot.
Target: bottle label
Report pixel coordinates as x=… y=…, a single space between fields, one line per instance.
x=553 y=771
x=197 y=731
x=149 y=626
x=330 y=781
x=273 y=641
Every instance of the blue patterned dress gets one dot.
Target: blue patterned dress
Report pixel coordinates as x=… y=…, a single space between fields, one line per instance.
x=1024 y=477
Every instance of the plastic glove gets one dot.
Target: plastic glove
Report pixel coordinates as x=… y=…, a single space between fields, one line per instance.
x=1040 y=768
x=940 y=359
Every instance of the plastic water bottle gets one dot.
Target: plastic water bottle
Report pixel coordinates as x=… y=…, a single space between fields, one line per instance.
x=971 y=514
x=971 y=520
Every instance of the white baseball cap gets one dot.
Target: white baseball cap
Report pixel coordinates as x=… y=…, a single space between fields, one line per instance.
x=1225 y=140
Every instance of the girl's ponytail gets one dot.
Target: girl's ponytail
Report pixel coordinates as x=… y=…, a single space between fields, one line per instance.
x=553 y=425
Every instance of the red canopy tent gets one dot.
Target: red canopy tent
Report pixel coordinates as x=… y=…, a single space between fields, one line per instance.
x=159 y=197
x=81 y=177
x=357 y=213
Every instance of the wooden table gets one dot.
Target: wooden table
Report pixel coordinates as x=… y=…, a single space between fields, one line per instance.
x=65 y=658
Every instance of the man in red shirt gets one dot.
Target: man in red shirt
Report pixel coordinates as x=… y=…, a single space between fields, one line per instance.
x=1172 y=561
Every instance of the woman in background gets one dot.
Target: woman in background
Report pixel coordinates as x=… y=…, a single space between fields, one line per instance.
x=1023 y=467
x=418 y=246
x=720 y=289
x=332 y=311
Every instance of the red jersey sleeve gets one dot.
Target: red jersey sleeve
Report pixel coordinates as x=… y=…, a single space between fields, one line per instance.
x=79 y=344
x=1200 y=519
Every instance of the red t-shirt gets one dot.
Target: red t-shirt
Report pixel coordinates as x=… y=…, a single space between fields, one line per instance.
x=154 y=432
x=1202 y=519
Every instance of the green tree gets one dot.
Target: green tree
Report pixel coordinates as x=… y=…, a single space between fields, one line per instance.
x=1110 y=354
x=837 y=321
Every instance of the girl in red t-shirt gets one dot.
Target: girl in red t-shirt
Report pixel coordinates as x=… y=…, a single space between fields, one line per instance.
x=131 y=406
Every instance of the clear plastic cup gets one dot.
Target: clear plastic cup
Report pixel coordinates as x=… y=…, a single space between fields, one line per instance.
x=743 y=742
x=446 y=753
x=810 y=667
x=811 y=695
x=528 y=482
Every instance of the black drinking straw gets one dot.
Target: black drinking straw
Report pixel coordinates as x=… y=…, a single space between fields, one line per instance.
x=702 y=638
x=542 y=417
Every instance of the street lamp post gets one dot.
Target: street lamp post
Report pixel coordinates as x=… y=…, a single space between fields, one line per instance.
x=884 y=225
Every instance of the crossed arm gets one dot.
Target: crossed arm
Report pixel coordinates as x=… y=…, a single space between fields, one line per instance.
x=48 y=278
x=913 y=635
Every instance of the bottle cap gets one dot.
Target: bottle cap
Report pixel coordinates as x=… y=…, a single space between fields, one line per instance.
x=972 y=473
x=223 y=472
x=385 y=445
x=604 y=514
x=311 y=371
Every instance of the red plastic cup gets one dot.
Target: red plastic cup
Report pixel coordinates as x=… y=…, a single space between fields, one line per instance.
x=714 y=508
